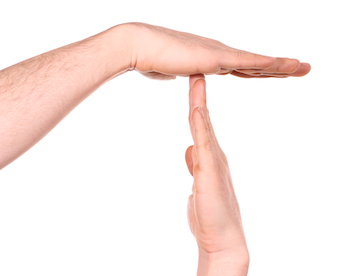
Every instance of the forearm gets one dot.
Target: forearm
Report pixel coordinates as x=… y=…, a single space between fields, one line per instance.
x=37 y=93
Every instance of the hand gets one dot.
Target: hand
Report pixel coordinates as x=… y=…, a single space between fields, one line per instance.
x=213 y=210
x=162 y=53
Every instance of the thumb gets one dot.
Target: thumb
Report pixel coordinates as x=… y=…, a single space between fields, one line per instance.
x=189 y=159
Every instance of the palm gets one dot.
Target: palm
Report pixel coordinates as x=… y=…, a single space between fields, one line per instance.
x=212 y=211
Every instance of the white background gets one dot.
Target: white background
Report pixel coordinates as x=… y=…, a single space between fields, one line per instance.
x=105 y=192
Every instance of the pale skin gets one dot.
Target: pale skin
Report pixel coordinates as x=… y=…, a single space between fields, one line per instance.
x=213 y=210
x=36 y=94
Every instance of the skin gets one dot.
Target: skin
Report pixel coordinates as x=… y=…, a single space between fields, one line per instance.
x=36 y=94
x=39 y=92
x=213 y=210
x=164 y=54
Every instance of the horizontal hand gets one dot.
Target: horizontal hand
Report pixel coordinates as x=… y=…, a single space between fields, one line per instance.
x=162 y=53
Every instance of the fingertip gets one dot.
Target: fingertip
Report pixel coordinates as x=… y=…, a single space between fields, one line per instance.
x=284 y=66
x=294 y=65
x=302 y=70
x=200 y=86
x=197 y=94
x=189 y=159
x=194 y=78
x=188 y=156
x=189 y=149
x=306 y=67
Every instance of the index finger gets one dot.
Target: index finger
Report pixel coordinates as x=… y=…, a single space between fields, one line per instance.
x=204 y=140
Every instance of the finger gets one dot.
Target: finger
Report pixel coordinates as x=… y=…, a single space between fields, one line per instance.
x=234 y=59
x=241 y=75
x=281 y=67
x=189 y=159
x=199 y=127
x=211 y=130
x=303 y=69
x=193 y=102
x=252 y=74
x=202 y=142
x=194 y=78
x=201 y=134
x=198 y=98
x=197 y=94
x=256 y=75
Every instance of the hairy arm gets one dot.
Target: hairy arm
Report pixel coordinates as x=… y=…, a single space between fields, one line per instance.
x=39 y=92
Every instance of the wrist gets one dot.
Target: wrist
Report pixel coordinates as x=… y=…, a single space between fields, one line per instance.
x=225 y=263
x=121 y=47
